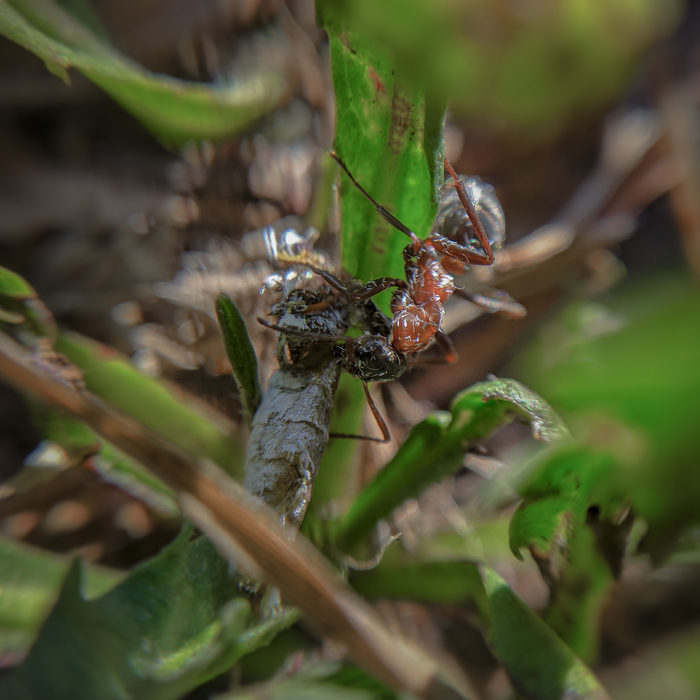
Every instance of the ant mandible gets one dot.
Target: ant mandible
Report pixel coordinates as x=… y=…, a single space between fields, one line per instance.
x=417 y=303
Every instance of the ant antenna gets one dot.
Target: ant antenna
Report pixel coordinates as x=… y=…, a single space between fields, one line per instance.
x=301 y=333
x=380 y=209
x=469 y=207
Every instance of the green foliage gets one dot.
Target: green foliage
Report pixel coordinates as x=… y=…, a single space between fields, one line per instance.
x=333 y=472
x=441 y=582
x=30 y=581
x=14 y=286
x=632 y=387
x=172 y=624
x=319 y=681
x=132 y=477
x=240 y=352
x=538 y=663
x=389 y=134
x=113 y=378
x=20 y=307
x=634 y=394
x=556 y=498
x=530 y=71
x=174 y=110
x=179 y=619
x=579 y=562
x=78 y=442
x=435 y=448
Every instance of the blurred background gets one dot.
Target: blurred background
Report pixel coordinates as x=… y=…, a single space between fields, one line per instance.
x=583 y=115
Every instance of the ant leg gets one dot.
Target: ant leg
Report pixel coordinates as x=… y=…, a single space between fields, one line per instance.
x=464 y=253
x=471 y=213
x=444 y=341
x=390 y=218
x=499 y=303
x=450 y=353
x=318 y=337
x=370 y=289
x=374 y=287
x=386 y=435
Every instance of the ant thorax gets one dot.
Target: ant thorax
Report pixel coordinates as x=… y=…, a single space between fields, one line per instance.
x=453 y=222
x=428 y=278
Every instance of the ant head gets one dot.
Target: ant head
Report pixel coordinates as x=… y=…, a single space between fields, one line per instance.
x=371 y=358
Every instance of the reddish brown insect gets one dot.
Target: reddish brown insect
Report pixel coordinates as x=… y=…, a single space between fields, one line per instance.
x=417 y=303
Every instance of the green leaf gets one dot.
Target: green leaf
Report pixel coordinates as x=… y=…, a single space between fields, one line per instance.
x=435 y=448
x=439 y=582
x=175 y=110
x=579 y=550
x=556 y=497
x=240 y=352
x=74 y=437
x=14 y=286
x=546 y=424
x=389 y=134
x=299 y=689
x=113 y=378
x=538 y=663
x=171 y=625
x=116 y=467
x=19 y=305
x=318 y=681
x=581 y=591
x=631 y=378
x=30 y=581
x=68 y=442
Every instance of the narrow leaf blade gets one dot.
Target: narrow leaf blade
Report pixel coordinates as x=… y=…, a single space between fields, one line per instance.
x=240 y=352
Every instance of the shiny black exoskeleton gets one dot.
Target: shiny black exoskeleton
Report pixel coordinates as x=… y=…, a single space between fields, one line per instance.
x=371 y=358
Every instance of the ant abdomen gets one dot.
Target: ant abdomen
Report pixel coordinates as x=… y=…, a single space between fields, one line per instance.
x=453 y=222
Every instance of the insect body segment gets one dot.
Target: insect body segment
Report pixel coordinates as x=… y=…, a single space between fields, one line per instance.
x=469 y=225
x=453 y=225
x=371 y=358
x=316 y=310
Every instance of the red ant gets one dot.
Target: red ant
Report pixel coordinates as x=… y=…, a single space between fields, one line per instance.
x=417 y=303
